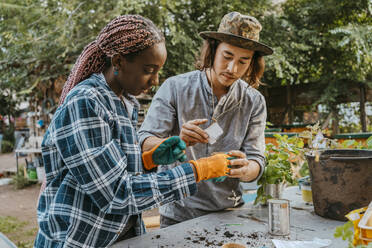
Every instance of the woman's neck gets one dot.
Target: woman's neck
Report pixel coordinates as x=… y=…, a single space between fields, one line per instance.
x=110 y=79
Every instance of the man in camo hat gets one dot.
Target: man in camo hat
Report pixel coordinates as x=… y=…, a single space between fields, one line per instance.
x=222 y=93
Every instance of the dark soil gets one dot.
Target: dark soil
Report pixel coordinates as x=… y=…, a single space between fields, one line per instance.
x=203 y=238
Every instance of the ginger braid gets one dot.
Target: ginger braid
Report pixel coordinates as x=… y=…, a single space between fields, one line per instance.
x=124 y=35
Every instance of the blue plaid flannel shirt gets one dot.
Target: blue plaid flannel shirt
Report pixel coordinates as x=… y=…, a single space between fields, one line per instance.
x=94 y=172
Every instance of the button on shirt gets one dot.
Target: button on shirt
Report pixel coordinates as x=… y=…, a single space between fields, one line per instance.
x=94 y=174
x=241 y=114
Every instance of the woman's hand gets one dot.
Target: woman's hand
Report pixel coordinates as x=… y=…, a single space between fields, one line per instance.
x=167 y=151
x=192 y=134
x=242 y=168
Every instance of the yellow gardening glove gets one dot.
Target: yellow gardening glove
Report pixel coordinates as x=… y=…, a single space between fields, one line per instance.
x=211 y=167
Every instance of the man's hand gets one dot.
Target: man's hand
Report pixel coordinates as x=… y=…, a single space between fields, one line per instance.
x=192 y=134
x=242 y=168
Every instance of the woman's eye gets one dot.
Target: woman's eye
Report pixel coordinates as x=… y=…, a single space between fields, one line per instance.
x=228 y=58
x=242 y=62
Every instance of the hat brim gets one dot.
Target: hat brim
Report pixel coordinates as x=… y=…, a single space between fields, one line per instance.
x=238 y=41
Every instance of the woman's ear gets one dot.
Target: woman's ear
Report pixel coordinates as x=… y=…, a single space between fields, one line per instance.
x=117 y=61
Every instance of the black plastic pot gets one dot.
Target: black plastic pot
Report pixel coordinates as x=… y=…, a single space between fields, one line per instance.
x=341 y=181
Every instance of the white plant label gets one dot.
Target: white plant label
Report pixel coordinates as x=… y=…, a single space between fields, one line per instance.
x=214 y=131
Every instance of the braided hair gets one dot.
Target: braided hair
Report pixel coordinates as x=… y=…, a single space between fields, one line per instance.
x=124 y=35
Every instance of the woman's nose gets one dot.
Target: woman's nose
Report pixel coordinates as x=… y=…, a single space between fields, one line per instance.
x=155 y=80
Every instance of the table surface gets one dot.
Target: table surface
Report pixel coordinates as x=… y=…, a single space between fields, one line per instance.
x=246 y=225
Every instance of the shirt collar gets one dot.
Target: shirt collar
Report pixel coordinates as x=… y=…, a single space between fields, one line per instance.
x=235 y=91
x=101 y=78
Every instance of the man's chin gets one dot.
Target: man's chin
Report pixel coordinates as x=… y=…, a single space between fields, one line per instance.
x=227 y=83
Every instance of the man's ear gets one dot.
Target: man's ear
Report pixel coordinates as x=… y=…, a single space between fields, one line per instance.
x=117 y=61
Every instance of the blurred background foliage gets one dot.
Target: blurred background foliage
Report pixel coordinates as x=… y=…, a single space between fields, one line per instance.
x=315 y=41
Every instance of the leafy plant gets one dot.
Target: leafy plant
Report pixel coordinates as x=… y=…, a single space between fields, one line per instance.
x=346 y=233
x=7 y=146
x=281 y=159
x=20 y=181
x=8 y=140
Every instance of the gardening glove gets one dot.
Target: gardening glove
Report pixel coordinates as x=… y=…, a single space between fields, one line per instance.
x=166 y=152
x=221 y=179
x=211 y=167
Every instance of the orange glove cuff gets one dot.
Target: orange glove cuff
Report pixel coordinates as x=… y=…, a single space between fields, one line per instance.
x=147 y=160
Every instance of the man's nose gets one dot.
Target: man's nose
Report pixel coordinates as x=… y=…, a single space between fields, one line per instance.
x=232 y=67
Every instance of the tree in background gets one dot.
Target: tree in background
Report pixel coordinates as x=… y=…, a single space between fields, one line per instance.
x=324 y=42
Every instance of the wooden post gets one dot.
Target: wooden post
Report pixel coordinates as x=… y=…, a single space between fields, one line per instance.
x=289 y=104
x=362 y=103
x=336 y=119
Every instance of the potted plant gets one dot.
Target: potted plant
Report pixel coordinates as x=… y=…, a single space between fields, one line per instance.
x=340 y=174
x=283 y=162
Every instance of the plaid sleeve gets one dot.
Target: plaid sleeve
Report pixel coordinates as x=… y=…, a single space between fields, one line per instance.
x=84 y=140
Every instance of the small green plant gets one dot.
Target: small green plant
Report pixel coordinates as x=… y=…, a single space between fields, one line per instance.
x=346 y=233
x=328 y=143
x=368 y=143
x=19 y=180
x=280 y=161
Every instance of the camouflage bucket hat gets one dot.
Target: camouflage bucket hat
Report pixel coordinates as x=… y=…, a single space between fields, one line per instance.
x=239 y=30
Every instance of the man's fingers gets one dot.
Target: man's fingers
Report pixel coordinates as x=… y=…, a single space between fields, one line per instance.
x=198 y=121
x=237 y=173
x=237 y=154
x=195 y=129
x=191 y=143
x=242 y=162
x=191 y=135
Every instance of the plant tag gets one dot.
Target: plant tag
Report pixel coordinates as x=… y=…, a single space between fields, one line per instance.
x=214 y=131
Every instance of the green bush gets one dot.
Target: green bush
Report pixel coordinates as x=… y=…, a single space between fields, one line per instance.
x=20 y=181
x=7 y=146
x=8 y=140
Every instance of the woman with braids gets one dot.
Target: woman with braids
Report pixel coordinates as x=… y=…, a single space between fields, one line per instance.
x=96 y=188
x=221 y=94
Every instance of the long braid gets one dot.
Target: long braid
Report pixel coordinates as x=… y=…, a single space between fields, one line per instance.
x=124 y=35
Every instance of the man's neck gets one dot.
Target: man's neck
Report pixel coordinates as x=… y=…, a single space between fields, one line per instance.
x=219 y=90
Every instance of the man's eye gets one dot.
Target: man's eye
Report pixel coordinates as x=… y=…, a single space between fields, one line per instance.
x=149 y=70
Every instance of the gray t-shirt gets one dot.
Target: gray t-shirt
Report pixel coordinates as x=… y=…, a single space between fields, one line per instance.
x=241 y=114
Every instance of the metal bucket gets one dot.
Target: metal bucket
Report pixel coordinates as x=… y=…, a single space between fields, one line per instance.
x=279 y=217
x=341 y=181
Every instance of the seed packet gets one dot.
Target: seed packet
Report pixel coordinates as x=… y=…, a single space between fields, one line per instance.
x=214 y=131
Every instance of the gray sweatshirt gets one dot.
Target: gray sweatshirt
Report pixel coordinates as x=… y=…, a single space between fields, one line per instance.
x=241 y=114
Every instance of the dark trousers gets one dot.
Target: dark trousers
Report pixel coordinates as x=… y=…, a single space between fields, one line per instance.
x=129 y=230
x=165 y=221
